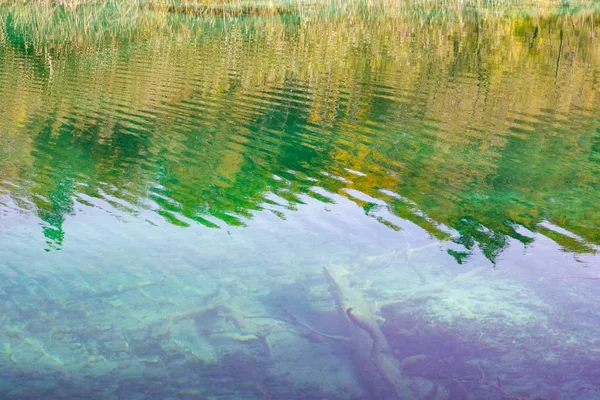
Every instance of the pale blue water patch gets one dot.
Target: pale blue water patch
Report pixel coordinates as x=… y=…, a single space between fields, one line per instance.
x=147 y=299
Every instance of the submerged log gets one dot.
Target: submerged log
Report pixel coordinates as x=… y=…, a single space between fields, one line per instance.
x=375 y=364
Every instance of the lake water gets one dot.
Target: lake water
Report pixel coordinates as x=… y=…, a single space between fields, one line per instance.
x=327 y=203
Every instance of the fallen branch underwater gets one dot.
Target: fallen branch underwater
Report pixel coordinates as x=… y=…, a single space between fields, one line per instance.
x=433 y=289
x=296 y=321
x=380 y=371
x=373 y=357
x=591 y=278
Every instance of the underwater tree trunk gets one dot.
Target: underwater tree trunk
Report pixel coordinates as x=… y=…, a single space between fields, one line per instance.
x=378 y=369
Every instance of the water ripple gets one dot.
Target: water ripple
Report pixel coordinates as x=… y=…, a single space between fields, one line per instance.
x=214 y=129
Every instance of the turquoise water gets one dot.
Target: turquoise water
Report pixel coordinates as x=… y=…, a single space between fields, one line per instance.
x=320 y=205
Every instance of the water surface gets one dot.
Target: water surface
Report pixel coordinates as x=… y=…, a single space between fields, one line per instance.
x=339 y=204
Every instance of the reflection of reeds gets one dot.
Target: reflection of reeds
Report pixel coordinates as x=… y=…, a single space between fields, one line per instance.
x=45 y=22
x=332 y=55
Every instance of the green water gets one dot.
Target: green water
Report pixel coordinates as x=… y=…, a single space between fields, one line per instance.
x=205 y=207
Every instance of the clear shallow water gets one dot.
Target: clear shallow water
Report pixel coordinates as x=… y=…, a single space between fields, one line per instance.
x=300 y=206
